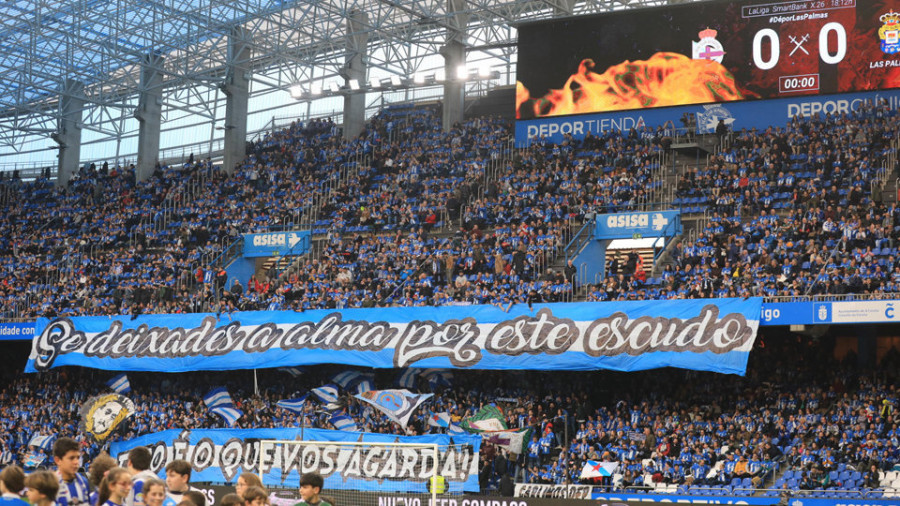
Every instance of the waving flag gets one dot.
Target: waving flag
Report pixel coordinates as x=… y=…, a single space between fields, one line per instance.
x=454 y=428
x=439 y=420
x=398 y=405
x=119 y=384
x=407 y=378
x=514 y=441
x=488 y=418
x=594 y=469
x=295 y=371
x=365 y=385
x=293 y=405
x=102 y=414
x=42 y=442
x=343 y=422
x=218 y=397
x=229 y=413
x=327 y=393
x=347 y=378
x=438 y=377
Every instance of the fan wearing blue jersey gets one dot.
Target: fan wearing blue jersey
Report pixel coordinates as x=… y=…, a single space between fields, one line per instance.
x=74 y=489
x=139 y=467
x=12 y=481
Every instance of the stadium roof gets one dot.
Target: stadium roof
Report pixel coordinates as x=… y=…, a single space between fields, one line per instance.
x=46 y=46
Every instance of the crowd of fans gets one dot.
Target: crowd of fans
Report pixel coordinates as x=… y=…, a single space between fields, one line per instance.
x=799 y=416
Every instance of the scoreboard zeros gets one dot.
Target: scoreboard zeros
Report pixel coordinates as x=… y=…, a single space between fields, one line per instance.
x=792 y=84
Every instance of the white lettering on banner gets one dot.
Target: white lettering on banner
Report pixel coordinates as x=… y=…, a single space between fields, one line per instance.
x=553 y=491
x=279 y=239
x=461 y=341
x=824 y=107
x=236 y=456
x=581 y=127
x=628 y=220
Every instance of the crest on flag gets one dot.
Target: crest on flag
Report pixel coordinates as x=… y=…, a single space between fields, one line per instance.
x=102 y=414
x=398 y=405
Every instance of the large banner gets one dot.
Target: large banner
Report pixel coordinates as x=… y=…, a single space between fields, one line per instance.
x=221 y=455
x=827 y=312
x=736 y=115
x=709 y=335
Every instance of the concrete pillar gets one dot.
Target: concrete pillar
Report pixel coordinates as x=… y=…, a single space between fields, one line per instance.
x=68 y=134
x=149 y=114
x=237 y=90
x=355 y=68
x=454 y=53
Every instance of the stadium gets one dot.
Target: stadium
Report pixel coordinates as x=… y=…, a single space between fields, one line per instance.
x=449 y=253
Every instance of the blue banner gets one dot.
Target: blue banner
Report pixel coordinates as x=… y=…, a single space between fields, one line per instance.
x=709 y=335
x=16 y=331
x=827 y=312
x=276 y=244
x=221 y=455
x=597 y=495
x=638 y=225
x=759 y=114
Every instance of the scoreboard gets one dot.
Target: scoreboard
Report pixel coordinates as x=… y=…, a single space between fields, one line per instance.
x=706 y=52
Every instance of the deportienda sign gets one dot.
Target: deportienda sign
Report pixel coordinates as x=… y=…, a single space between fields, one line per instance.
x=712 y=335
x=221 y=455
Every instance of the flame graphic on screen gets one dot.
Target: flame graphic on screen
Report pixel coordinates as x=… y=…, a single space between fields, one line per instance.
x=663 y=80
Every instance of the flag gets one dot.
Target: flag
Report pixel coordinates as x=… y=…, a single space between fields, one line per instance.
x=293 y=405
x=343 y=422
x=398 y=405
x=218 y=397
x=42 y=442
x=327 y=393
x=346 y=378
x=365 y=385
x=119 y=384
x=488 y=418
x=295 y=371
x=513 y=441
x=6 y=457
x=407 y=378
x=439 y=420
x=229 y=413
x=594 y=469
x=437 y=377
x=102 y=414
x=455 y=429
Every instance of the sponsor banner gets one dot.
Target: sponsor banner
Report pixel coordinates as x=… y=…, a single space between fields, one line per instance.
x=221 y=455
x=686 y=499
x=638 y=225
x=16 y=331
x=710 y=335
x=276 y=244
x=737 y=115
x=812 y=313
x=553 y=491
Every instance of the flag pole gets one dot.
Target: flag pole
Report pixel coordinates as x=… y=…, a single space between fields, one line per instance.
x=255 y=384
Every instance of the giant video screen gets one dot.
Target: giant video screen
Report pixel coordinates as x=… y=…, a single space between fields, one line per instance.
x=706 y=52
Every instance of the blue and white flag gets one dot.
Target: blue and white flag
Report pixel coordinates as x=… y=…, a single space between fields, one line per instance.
x=398 y=405
x=6 y=457
x=328 y=393
x=438 y=377
x=42 y=442
x=293 y=371
x=218 y=397
x=344 y=422
x=229 y=413
x=439 y=420
x=455 y=429
x=407 y=378
x=120 y=384
x=293 y=405
x=365 y=385
x=346 y=378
